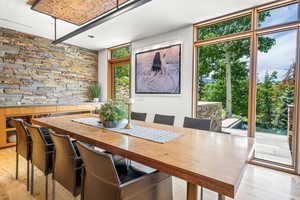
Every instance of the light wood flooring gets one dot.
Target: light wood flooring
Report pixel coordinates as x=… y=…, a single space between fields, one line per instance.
x=257 y=184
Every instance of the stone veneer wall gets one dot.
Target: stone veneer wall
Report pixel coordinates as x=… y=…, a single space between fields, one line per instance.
x=33 y=71
x=213 y=111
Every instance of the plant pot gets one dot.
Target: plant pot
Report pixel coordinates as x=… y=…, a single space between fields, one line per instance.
x=109 y=124
x=96 y=100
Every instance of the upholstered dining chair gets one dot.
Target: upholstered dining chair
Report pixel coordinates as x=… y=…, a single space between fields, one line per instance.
x=138 y=116
x=197 y=123
x=67 y=164
x=23 y=146
x=101 y=178
x=164 y=119
x=42 y=153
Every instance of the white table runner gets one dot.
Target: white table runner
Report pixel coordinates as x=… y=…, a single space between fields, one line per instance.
x=155 y=135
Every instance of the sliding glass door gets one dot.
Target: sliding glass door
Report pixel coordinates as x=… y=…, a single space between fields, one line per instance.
x=275 y=96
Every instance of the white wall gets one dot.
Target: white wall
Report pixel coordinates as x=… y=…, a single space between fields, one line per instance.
x=102 y=72
x=178 y=105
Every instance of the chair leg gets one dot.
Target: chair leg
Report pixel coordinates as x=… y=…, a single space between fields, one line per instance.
x=53 y=189
x=46 y=187
x=17 y=165
x=32 y=178
x=27 y=175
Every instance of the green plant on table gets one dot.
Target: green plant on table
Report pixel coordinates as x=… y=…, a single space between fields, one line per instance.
x=113 y=111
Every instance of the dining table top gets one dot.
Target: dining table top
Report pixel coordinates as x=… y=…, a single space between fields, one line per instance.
x=213 y=160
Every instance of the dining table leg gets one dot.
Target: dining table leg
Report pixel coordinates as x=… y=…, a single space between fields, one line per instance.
x=221 y=197
x=192 y=191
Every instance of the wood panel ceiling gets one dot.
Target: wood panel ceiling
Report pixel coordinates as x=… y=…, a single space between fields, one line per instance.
x=74 y=11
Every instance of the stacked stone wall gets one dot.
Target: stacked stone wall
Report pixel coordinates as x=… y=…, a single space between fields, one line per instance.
x=34 y=71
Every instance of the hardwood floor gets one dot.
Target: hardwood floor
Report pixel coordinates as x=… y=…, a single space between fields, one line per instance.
x=257 y=184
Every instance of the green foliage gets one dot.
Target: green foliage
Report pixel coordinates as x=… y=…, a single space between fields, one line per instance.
x=95 y=90
x=212 y=63
x=121 y=52
x=272 y=96
x=272 y=100
x=121 y=82
x=287 y=98
x=237 y=25
x=265 y=101
x=113 y=111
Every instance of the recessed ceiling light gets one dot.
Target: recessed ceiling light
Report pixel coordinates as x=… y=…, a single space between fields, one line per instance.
x=91 y=36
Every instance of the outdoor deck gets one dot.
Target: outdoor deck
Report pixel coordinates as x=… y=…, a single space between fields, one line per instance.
x=268 y=146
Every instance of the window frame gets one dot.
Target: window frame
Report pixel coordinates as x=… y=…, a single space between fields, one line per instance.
x=266 y=8
x=112 y=63
x=232 y=17
x=118 y=47
x=253 y=34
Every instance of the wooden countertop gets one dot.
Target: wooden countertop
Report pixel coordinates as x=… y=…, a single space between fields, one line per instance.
x=40 y=105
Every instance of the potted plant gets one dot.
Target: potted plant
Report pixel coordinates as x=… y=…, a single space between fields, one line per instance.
x=112 y=113
x=95 y=91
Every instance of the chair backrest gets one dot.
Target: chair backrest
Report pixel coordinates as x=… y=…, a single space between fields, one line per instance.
x=100 y=176
x=41 y=154
x=164 y=119
x=66 y=165
x=197 y=123
x=23 y=146
x=138 y=116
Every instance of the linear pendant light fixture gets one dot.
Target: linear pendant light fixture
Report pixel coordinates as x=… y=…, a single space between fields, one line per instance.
x=114 y=13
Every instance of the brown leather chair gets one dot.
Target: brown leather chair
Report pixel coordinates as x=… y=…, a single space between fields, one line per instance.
x=23 y=146
x=42 y=154
x=67 y=164
x=197 y=123
x=138 y=116
x=104 y=180
x=164 y=119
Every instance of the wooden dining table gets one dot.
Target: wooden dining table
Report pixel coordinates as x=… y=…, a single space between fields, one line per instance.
x=213 y=160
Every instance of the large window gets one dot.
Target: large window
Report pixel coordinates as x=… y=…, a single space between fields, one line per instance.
x=121 y=87
x=119 y=72
x=223 y=75
x=277 y=16
x=246 y=78
x=237 y=25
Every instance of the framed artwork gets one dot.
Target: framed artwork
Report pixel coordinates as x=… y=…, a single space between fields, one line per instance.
x=158 y=71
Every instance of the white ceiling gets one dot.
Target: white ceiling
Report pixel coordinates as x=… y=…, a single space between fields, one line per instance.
x=158 y=16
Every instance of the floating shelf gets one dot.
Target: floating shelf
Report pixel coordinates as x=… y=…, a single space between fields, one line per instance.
x=10 y=129
x=9 y=144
